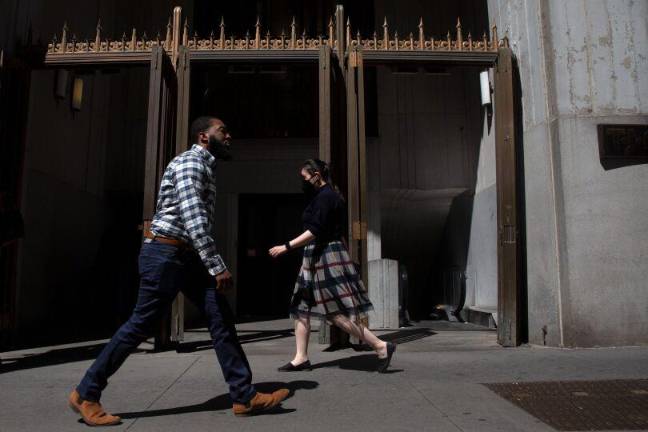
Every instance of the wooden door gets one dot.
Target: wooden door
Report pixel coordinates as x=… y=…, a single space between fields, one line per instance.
x=183 y=74
x=357 y=161
x=161 y=146
x=508 y=245
x=333 y=140
x=15 y=76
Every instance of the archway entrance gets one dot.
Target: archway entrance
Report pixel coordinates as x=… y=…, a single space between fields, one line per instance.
x=341 y=59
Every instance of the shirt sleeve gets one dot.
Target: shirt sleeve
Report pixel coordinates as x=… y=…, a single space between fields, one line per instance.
x=318 y=216
x=191 y=182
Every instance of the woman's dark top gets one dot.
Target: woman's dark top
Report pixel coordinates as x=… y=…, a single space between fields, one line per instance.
x=325 y=216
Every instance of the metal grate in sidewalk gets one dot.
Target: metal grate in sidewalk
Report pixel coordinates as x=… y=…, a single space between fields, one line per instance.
x=582 y=405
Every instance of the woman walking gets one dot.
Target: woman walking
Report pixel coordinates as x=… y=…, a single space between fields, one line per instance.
x=328 y=285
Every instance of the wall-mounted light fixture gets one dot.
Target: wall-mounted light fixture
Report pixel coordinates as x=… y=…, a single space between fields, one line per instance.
x=77 y=94
x=484 y=82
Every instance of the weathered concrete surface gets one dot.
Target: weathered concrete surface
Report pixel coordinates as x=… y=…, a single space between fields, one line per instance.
x=581 y=63
x=434 y=385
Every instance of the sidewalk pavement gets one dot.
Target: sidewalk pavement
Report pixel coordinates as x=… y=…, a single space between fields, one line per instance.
x=435 y=383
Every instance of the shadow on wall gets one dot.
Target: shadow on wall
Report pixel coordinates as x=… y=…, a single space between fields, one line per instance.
x=448 y=272
x=523 y=310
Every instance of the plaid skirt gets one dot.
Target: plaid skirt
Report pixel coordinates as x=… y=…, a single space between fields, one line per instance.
x=329 y=284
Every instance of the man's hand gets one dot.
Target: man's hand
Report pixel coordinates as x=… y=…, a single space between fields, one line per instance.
x=224 y=281
x=277 y=250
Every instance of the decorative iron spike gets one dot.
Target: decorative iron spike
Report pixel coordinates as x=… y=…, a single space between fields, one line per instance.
x=64 y=37
x=411 y=40
x=432 y=43
x=144 y=37
x=348 y=32
x=133 y=46
x=449 y=41
x=267 y=38
x=222 y=33
x=73 y=42
x=331 y=36
x=396 y=40
x=195 y=39
x=283 y=38
x=459 y=36
x=494 y=39
x=375 y=40
x=293 y=34
x=385 y=35
x=87 y=45
x=485 y=41
x=123 y=42
x=185 y=32
x=97 y=46
x=247 y=38
x=257 y=33
x=167 y=40
x=303 y=37
x=506 y=39
x=358 y=37
x=421 y=34
x=470 y=47
x=158 y=37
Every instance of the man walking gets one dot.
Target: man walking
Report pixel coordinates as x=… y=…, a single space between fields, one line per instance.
x=179 y=254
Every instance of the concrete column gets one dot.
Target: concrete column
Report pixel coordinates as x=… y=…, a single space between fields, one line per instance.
x=383 y=279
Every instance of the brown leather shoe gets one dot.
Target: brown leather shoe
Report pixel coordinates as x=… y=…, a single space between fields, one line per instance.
x=260 y=402
x=92 y=413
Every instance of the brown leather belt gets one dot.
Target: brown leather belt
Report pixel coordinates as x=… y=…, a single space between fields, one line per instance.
x=166 y=240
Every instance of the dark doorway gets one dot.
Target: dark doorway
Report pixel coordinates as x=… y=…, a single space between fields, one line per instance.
x=265 y=285
x=82 y=205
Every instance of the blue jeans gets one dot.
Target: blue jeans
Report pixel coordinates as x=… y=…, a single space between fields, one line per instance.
x=164 y=271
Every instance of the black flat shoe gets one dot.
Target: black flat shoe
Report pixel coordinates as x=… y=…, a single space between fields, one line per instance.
x=384 y=362
x=289 y=367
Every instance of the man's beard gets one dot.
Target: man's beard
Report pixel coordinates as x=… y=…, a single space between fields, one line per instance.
x=219 y=149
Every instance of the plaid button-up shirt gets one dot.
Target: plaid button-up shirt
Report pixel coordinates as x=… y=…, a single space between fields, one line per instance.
x=187 y=203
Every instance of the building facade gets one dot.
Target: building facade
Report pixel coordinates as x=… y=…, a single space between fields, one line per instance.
x=427 y=185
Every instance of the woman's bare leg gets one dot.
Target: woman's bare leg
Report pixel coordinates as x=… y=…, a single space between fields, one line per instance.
x=302 y=334
x=361 y=333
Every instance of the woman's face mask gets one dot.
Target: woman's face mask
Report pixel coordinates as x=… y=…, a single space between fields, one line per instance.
x=308 y=185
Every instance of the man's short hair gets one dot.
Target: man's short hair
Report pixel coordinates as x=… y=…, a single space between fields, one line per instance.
x=201 y=124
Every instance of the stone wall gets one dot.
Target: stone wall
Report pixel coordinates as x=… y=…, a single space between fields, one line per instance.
x=581 y=63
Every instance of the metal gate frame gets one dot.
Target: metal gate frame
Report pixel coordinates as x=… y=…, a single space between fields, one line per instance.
x=351 y=55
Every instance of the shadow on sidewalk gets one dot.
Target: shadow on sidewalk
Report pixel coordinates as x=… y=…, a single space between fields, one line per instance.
x=369 y=362
x=363 y=363
x=54 y=357
x=245 y=337
x=404 y=336
x=223 y=402
x=397 y=337
x=90 y=352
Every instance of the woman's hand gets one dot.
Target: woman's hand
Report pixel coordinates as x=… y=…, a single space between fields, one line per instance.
x=277 y=251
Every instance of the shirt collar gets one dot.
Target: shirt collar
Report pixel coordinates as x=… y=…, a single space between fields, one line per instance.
x=204 y=154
